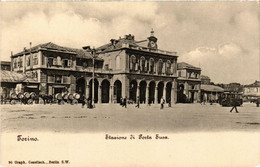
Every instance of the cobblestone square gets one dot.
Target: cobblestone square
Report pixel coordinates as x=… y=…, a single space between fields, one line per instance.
x=114 y=118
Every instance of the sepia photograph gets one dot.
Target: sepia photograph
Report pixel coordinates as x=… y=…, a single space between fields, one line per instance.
x=130 y=83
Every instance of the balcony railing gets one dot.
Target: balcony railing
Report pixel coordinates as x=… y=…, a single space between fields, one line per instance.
x=150 y=50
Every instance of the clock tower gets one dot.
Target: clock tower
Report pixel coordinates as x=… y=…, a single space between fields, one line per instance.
x=152 y=43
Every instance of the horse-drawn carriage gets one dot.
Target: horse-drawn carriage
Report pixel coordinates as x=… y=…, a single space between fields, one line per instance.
x=228 y=99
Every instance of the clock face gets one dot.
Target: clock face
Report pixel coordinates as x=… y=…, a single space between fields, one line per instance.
x=152 y=44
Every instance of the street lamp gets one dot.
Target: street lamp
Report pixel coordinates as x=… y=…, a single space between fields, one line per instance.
x=93 y=54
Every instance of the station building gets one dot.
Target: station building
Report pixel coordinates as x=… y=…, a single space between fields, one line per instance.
x=123 y=67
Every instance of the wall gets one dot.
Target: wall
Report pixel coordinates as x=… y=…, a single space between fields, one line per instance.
x=110 y=59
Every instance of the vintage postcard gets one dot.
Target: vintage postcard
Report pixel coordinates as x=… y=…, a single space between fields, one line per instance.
x=130 y=84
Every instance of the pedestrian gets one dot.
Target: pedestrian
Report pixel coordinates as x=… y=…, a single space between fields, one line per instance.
x=149 y=102
x=234 y=104
x=137 y=102
x=124 y=102
x=83 y=101
x=121 y=101
x=162 y=102
x=204 y=98
x=169 y=102
x=89 y=103
x=257 y=102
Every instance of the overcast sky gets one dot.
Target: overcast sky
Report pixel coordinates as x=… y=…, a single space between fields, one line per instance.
x=222 y=38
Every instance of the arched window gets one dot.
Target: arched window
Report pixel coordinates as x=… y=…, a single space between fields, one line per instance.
x=142 y=63
x=59 y=63
x=117 y=62
x=160 y=66
x=168 y=67
x=132 y=62
x=151 y=63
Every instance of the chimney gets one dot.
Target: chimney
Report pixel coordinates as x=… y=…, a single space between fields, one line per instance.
x=87 y=48
x=11 y=60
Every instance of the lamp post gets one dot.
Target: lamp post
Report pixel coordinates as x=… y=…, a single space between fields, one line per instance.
x=93 y=54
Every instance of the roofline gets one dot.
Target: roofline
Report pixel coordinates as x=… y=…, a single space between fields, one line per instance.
x=190 y=68
x=127 y=48
x=42 y=49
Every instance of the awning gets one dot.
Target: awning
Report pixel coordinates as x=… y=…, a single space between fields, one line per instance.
x=211 y=88
x=11 y=76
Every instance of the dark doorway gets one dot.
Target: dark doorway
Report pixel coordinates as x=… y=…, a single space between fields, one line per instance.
x=168 y=92
x=133 y=89
x=151 y=92
x=58 y=90
x=80 y=86
x=118 y=90
x=181 y=97
x=142 y=91
x=105 y=91
x=160 y=91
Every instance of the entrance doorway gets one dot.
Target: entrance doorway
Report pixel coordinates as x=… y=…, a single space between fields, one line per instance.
x=142 y=91
x=151 y=91
x=160 y=91
x=118 y=90
x=168 y=92
x=105 y=85
x=133 y=89
x=80 y=86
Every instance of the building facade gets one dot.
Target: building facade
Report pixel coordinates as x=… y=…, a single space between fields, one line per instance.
x=188 y=83
x=6 y=65
x=123 y=67
x=205 y=80
x=252 y=91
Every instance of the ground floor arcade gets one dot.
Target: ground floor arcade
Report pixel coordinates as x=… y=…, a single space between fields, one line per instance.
x=112 y=89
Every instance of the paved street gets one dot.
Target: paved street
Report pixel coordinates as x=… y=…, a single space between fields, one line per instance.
x=114 y=118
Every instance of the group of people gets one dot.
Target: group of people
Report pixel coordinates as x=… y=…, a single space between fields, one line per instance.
x=123 y=102
x=87 y=102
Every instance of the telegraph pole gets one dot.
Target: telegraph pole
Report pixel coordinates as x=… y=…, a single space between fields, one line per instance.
x=93 y=54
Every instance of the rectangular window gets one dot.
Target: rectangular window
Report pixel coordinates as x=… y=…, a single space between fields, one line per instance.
x=65 y=63
x=85 y=64
x=28 y=58
x=50 y=62
x=106 y=66
x=65 y=79
x=58 y=78
x=179 y=73
x=35 y=59
x=55 y=61
x=51 y=78
x=20 y=62
x=15 y=63
x=43 y=59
